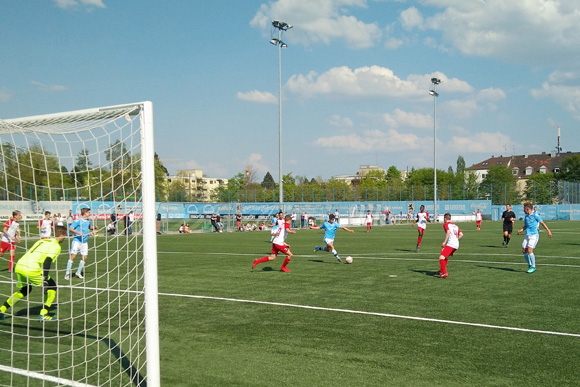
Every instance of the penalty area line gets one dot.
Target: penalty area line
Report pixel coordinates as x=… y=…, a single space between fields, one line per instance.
x=427 y=319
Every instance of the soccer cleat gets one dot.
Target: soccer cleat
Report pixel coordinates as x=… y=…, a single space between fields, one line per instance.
x=503 y=243
x=255 y=263
x=284 y=269
x=417 y=248
x=445 y=275
x=315 y=248
x=79 y=275
x=338 y=259
x=66 y=277
x=531 y=270
x=46 y=317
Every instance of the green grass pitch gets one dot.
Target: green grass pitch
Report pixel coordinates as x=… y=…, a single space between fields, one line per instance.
x=383 y=320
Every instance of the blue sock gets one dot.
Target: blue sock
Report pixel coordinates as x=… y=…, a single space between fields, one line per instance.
x=68 y=267
x=527 y=258
x=532 y=260
x=81 y=265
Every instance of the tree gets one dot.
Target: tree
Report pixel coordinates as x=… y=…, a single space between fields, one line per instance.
x=374 y=179
x=268 y=181
x=118 y=155
x=540 y=188
x=394 y=175
x=499 y=185
x=570 y=170
x=460 y=165
x=161 y=174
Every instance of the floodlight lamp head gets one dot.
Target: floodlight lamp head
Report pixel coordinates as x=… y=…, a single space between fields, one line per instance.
x=435 y=81
x=274 y=41
x=283 y=45
x=433 y=93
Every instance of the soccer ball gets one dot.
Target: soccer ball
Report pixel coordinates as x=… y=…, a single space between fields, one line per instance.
x=348 y=259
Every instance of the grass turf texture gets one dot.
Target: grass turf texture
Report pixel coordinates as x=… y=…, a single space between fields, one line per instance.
x=212 y=334
x=209 y=341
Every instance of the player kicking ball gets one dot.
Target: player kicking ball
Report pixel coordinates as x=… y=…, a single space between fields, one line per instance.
x=32 y=269
x=279 y=245
x=451 y=243
x=330 y=227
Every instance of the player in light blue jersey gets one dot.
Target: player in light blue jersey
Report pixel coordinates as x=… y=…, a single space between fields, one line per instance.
x=274 y=223
x=532 y=223
x=330 y=228
x=80 y=244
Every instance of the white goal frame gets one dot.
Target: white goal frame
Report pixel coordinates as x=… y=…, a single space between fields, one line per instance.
x=46 y=125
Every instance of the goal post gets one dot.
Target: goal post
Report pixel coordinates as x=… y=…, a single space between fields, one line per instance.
x=101 y=326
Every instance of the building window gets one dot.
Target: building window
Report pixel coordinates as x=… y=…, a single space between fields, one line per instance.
x=556 y=170
x=515 y=171
x=543 y=169
x=483 y=175
x=529 y=171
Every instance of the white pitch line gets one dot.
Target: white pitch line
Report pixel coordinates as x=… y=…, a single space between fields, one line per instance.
x=378 y=314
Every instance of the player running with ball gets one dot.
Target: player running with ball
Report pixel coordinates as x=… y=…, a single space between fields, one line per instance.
x=330 y=228
x=279 y=245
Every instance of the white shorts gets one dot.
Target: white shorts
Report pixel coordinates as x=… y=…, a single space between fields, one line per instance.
x=530 y=241
x=274 y=230
x=328 y=241
x=79 y=247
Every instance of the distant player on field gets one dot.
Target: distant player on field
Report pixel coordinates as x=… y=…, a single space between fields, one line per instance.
x=478 y=218
x=531 y=225
x=421 y=222
x=33 y=269
x=508 y=217
x=10 y=237
x=45 y=226
x=450 y=244
x=279 y=245
x=369 y=220
x=330 y=228
x=80 y=244
x=274 y=225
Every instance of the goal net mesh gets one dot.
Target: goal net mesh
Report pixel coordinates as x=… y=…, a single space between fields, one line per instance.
x=100 y=159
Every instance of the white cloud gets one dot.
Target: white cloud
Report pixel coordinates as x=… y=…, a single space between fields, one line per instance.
x=369 y=82
x=256 y=163
x=411 y=18
x=45 y=87
x=323 y=21
x=566 y=96
x=339 y=122
x=485 y=142
x=402 y=119
x=258 y=96
x=393 y=43
x=534 y=31
x=372 y=140
x=96 y=3
x=74 y=3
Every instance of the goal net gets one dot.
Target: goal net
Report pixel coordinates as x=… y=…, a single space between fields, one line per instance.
x=94 y=322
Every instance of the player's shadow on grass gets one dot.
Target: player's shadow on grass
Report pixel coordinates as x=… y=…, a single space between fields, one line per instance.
x=493 y=246
x=267 y=268
x=319 y=261
x=47 y=327
x=498 y=268
x=430 y=273
x=406 y=250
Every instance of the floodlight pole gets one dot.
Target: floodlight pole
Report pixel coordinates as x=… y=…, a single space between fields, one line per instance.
x=280 y=26
x=433 y=92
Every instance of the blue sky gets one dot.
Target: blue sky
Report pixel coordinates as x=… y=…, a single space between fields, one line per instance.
x=355 y=77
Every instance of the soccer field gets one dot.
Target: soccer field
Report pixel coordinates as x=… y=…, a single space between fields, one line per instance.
x=383 y=320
